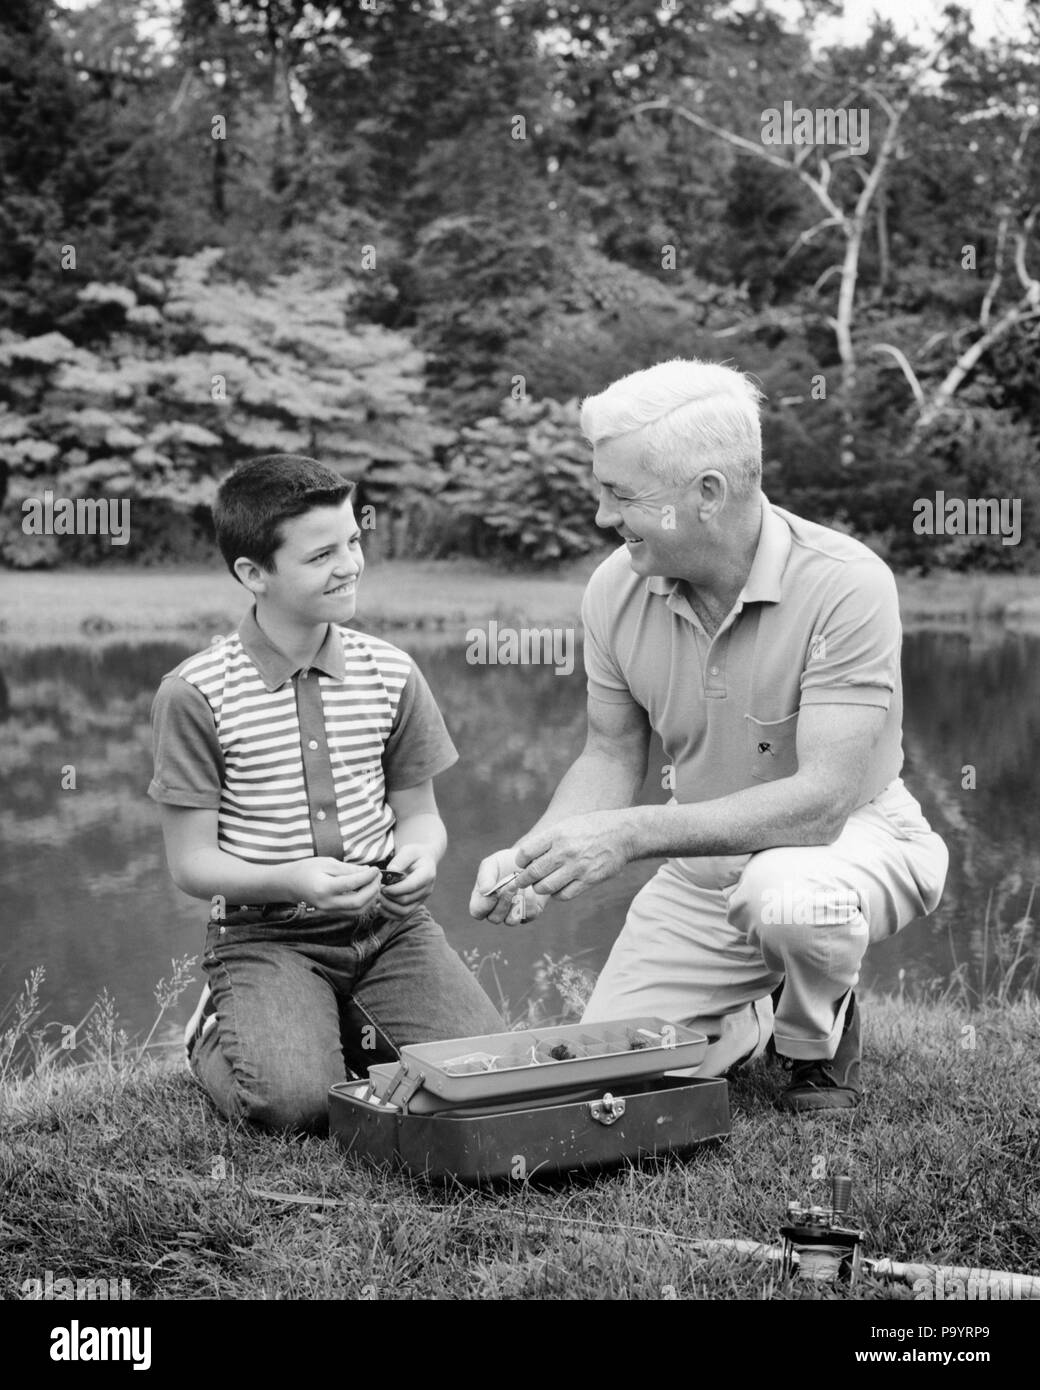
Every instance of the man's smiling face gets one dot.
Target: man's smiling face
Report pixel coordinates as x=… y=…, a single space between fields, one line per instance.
x=656 y=520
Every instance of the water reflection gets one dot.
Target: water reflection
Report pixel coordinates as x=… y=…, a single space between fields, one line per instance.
x=86 y=892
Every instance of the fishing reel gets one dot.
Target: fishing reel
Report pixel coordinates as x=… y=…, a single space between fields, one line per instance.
x=826 y=1247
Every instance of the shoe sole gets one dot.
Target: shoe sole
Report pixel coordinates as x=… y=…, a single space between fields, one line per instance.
x=821 y=1100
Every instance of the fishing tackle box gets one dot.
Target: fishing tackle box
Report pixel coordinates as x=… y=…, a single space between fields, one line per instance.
x=504 y=1106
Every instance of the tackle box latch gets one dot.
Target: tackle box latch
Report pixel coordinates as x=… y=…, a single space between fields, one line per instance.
x=607 y=1110
x=403 y=1086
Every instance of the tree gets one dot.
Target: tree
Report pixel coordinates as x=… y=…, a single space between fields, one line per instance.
x=42 y=119
x=999 y=97
x=820 y=169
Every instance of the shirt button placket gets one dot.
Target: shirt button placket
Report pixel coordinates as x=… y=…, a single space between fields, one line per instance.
x=318 y=774
x=715 y=685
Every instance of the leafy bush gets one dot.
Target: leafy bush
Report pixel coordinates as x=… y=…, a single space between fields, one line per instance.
x=490 y=304
x=517 y=486
x=184 y=379
x=973 y=452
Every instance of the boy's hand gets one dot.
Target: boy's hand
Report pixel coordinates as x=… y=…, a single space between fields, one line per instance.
x=504 y=906
x=420 y=874
x=329 y=884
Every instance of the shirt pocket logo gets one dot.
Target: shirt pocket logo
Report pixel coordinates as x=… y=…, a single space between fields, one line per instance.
x=771 y=749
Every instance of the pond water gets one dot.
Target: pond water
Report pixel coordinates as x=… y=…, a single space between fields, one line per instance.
x=86 y=893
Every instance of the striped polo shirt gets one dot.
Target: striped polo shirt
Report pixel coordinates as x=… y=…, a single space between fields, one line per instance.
x=296 y=762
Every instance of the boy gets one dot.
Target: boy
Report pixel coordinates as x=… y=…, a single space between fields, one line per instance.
x=293 y=766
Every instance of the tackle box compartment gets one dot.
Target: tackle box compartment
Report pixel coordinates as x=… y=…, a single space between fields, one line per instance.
x=499 y=1065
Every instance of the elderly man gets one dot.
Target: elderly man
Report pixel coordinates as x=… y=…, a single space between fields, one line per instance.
x=764 y=650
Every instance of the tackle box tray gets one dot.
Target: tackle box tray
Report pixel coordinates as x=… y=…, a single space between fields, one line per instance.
x=534 y=1135
x=499 y=1065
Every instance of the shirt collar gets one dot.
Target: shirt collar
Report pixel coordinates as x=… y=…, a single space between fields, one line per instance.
x=275 y=667
x=764 y=581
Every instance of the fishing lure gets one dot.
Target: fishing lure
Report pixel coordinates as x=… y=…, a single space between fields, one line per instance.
x=386 y=876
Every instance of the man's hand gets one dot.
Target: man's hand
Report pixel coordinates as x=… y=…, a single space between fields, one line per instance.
x=420 y=874
x=505 y=906
x=329 y=884
x=565 y=859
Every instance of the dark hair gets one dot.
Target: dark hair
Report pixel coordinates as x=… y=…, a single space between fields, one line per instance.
x=253 y=501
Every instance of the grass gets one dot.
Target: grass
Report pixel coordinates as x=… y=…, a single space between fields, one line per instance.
x=123 y=1169
x=959 y=599
x=43 y=607
x=39 y=608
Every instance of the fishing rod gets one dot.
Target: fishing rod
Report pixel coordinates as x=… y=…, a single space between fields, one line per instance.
x=818 y=1242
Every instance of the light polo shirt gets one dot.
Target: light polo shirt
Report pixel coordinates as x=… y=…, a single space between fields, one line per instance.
x=816 y=623
x=296 y=762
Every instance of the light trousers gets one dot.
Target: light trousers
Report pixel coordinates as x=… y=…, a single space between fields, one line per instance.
x=708 y=940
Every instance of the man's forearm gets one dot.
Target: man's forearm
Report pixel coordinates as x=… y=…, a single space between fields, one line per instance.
x=591 y=783
x=785 y=812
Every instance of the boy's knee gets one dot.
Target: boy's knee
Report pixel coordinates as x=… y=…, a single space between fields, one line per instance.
x=306 y=1114
x=260 y=1091
x=283 y=1103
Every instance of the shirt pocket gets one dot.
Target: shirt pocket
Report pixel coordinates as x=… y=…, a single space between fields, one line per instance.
x=771 y=747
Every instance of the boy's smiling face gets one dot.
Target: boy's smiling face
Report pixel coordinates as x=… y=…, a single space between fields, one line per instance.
x=317 y=568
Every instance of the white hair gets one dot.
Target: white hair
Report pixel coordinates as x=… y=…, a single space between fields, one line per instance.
x=692 y=415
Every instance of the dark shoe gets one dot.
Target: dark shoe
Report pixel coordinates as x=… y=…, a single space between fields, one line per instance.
x=202 y=1020
x=819 y=1084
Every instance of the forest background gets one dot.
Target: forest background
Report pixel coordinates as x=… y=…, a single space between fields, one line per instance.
x=408 y=237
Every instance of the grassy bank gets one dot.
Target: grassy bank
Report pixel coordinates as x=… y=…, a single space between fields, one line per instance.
x=110 y=1174
x=48 y=606
x=92 y=606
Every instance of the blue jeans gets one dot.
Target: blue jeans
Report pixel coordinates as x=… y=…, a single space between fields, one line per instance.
x=300 y=1000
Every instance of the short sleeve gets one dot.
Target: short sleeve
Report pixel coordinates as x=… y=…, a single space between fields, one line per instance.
x=853 y=655
x=189 y=762
x=419 y=746
x=605 y=679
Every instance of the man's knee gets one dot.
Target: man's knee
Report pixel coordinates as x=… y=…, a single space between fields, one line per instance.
x=784 y=890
